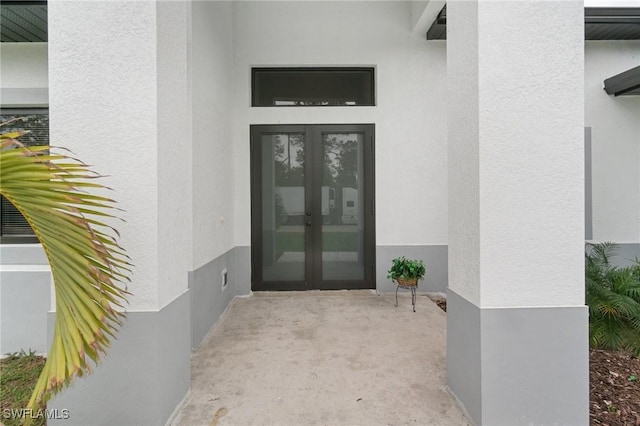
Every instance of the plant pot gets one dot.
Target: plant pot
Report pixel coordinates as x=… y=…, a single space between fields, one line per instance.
x=407 y=282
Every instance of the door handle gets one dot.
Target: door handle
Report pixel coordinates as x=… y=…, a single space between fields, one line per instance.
x=308 y=223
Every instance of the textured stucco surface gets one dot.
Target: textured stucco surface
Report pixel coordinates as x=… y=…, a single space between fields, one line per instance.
x=174 y=148
x=213 y=146
x=463 y=157
x=524 y=223
x=104 y=107
x=531 y=154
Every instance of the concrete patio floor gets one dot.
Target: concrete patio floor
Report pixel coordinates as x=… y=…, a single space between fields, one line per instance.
x=323 y=358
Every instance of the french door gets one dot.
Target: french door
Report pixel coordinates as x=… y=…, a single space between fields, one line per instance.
x=312 y=207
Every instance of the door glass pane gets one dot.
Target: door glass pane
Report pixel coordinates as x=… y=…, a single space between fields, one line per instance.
x=342 y=206
x=283 y=202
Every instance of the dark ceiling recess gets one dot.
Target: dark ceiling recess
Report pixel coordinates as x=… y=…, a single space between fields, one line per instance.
x=612 y=23
x=624 y=84
x=600 y=23
x=438 y=30
x=23 y=21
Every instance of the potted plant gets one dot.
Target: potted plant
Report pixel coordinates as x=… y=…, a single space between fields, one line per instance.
x=406 y=272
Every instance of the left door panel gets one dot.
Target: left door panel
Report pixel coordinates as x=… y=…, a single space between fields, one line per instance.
x=279 y=207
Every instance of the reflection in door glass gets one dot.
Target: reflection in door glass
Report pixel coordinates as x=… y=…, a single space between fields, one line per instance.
x=342 y=207
x=283 y=203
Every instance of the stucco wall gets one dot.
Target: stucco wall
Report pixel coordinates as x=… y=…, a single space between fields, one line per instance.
x=174 y=148
x=23 y=65
x=516 y=170
x=528 y=152
x=103 y=106
x=213 y=146
x=410 y=116
x=615 y=132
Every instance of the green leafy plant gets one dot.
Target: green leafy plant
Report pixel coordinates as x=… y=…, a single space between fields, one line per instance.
x=613 y=296
x=87 y=263
x=401 y=267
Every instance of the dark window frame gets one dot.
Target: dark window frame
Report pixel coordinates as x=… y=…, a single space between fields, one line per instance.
x=370 y=92
x=20 y=238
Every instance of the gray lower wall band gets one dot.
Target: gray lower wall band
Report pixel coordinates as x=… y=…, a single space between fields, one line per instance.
x=463 y=354
x=435 y=260
x=145 y=374
x=25 y=297
x=208 y=299
x=529 y=360
x=627 y=253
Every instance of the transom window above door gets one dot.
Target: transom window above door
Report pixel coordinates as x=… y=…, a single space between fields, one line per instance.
x=312 y=87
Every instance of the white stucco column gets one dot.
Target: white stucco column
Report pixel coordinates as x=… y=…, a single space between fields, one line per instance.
x=517 y=324
x=119 y=87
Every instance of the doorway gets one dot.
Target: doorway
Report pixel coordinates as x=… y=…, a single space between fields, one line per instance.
x=312 y=207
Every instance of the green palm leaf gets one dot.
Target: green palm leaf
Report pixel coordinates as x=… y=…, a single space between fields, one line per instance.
x=87 y=264
x=613 y=296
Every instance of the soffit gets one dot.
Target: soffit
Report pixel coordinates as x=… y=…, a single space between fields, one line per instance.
x=600 y=23
x=23 y=21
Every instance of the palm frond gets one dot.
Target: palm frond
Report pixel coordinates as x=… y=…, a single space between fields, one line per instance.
x=88 y=266
x=613 y=296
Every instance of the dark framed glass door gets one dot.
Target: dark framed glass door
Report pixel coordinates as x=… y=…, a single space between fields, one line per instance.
x=312 y=207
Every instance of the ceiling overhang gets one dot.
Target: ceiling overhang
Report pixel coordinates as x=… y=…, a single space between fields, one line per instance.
x=600 y=23
x=612 y=23
x=438 y=30
x=23 y=21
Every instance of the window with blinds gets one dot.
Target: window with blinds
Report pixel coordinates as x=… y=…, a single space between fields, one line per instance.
x=13 y=226
x=324 y=86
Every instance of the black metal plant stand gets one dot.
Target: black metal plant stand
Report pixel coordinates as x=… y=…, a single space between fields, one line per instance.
x=413 y=289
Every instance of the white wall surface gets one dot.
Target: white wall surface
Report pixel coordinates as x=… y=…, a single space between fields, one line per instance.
x=463 y=157
x=174 y=147
x=532 y=157
x=23 y=65
x=529 y=224
x=615 y=139
x=213 y=145
x=103 y=99
x=410 y=116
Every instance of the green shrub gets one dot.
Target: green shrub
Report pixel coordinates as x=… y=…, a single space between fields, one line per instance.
x=613 y=296
x=402 y=267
